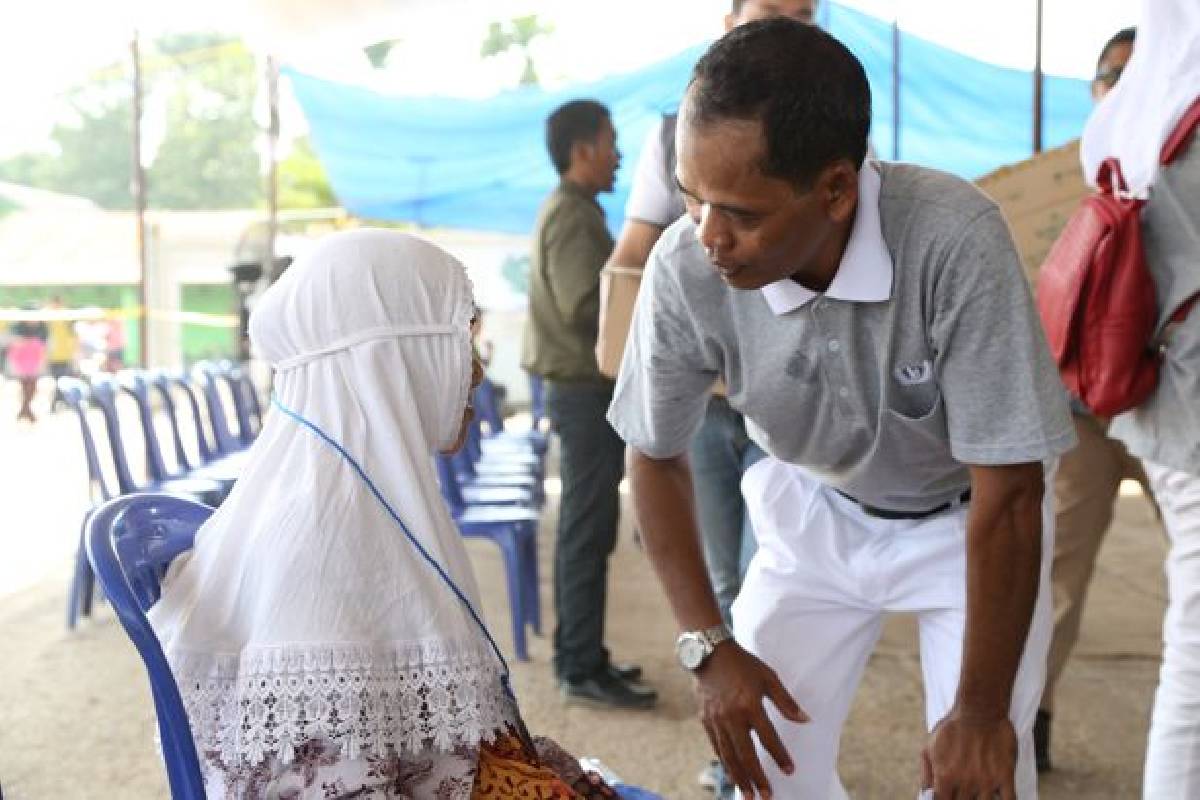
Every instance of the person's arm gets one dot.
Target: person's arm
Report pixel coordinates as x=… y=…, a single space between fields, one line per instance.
x=972 y=752
x=731 y=684
x=576 y=247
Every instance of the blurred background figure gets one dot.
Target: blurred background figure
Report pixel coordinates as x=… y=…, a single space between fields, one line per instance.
x=62 y=349
x=27 y=361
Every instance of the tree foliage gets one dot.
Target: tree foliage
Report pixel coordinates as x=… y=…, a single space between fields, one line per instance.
x=518 y=34
x=204 y=87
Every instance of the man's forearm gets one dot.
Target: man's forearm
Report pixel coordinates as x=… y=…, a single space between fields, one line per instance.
x=1004 y=553
x=665 y=508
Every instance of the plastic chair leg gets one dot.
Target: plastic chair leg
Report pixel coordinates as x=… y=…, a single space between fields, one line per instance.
x=79 y=597
x=532 y=598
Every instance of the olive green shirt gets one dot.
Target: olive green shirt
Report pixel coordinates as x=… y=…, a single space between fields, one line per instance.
x=571 y=243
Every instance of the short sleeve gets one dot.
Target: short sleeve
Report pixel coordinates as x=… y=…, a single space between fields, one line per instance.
x=1005 y=403
x=664 y=382
x=653 y=197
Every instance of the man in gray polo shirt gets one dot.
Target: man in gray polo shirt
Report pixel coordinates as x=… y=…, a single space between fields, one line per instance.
x=875 y=328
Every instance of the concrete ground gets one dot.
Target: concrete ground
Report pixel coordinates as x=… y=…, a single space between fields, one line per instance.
x=76 y=719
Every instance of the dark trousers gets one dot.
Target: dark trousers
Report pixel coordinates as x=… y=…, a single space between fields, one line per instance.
x=591 y=465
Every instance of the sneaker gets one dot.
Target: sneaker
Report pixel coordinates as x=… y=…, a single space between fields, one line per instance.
x=1041 y=741
x=606 y=690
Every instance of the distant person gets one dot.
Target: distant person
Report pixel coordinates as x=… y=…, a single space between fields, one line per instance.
x=1086 y=487
x=570 y=245
x=114 y=343
x=62 y=348
x=1160 y=87
x=27 y=362
x=325 y=631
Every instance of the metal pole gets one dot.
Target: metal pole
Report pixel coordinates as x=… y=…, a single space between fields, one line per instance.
x=272 y=168
x=139 y=204
x=896 y=87
x=1038 y=82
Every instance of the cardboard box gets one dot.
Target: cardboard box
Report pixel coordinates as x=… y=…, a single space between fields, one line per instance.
x=618 y=293
x=1038 y=196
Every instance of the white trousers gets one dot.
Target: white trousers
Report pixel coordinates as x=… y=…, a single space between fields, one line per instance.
x=813 y=605
x=1173 y=753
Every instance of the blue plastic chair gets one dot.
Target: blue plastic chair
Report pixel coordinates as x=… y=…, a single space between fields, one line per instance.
x=537 y=401
x=130 y=542
x=514 y=530
x=246 y=407
x=498 y=438
x=223 y=439
x=75 y=393
x=134 y=383
x=104 y=397
x=203 y=464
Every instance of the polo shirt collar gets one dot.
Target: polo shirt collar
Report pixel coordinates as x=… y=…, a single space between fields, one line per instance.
x=864 y=274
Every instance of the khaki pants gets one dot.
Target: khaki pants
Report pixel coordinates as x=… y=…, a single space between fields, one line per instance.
x=1085 y=493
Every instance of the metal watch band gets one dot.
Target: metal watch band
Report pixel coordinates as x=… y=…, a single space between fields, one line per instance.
x=716 y=634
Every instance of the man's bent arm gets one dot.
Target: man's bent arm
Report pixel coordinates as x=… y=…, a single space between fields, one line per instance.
x=973 y=749
x=1004 y=556
x=665 y=509
x=634 y=244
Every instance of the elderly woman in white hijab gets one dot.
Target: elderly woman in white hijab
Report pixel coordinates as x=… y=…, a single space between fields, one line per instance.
x=325 y=630
x=1158 y=91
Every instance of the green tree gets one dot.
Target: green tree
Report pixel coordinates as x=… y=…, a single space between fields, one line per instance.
x=302 y=180
x=208 y=157
x=519 y=33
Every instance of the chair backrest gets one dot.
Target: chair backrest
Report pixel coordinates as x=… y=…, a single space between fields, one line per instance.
x=487 y=406
x=184 y=382
x=235 y=378
x=161 y=382
x=537 y=400
x=104 y=397
x=74 y=393
x=224 y=439
x=130 y=543
x=133 y=383
x=448 y=479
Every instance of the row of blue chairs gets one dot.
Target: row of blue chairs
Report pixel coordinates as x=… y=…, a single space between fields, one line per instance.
x=205 y=474
x=493 y=488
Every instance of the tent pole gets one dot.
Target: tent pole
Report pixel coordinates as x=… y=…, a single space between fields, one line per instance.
x=139 y=204
x=896 y=87
x=1038 y=81
x=272 y=169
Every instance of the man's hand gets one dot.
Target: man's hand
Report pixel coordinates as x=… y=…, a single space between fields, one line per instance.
x=731 y=686
x=969 y=758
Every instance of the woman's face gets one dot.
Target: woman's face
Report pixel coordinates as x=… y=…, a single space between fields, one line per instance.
x=469 y=411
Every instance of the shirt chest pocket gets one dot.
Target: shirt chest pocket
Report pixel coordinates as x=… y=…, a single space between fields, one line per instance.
x=912 y=393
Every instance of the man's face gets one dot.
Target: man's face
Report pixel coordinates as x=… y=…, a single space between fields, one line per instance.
x=1109 y=69
x=602 y=158
x=756 y=229
x=801 y=10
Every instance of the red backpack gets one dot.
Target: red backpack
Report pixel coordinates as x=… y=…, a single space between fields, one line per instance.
x=1096 y=296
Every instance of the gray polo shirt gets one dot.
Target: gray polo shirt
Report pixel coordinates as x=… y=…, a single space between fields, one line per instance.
x=924 y=354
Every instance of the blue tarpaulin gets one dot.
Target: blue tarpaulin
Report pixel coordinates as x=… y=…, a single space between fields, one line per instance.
x=482 y=164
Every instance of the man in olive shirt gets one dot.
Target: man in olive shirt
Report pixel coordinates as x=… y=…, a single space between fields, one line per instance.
x=570 y=245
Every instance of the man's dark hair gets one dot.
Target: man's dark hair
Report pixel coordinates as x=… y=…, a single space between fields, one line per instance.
x=809 y=92
x=1123 y=36
x=576 y=121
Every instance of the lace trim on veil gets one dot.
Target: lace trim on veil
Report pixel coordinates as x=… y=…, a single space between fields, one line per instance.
x=413 y=697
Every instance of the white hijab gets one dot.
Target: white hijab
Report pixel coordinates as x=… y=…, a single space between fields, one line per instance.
x=1160 y=82
x=301 y=585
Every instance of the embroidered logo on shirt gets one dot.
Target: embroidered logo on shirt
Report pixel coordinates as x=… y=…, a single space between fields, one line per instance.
x=913 y=374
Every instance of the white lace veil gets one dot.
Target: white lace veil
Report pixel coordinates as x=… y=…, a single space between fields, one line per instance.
x=303 y=609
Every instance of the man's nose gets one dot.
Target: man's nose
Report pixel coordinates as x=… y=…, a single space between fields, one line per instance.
x=712 y=231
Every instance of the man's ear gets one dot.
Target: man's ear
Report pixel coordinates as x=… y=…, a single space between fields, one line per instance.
x=581 y=151
x=837 y=185
x=730 y=22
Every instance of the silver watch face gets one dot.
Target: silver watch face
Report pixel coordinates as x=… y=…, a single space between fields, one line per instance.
x=692 y=651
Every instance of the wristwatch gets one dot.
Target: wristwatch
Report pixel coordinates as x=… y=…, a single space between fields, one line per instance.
x=693 y=648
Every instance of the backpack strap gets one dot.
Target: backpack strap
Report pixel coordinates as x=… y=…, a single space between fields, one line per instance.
x=1109 y=178
x=1182 y=133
